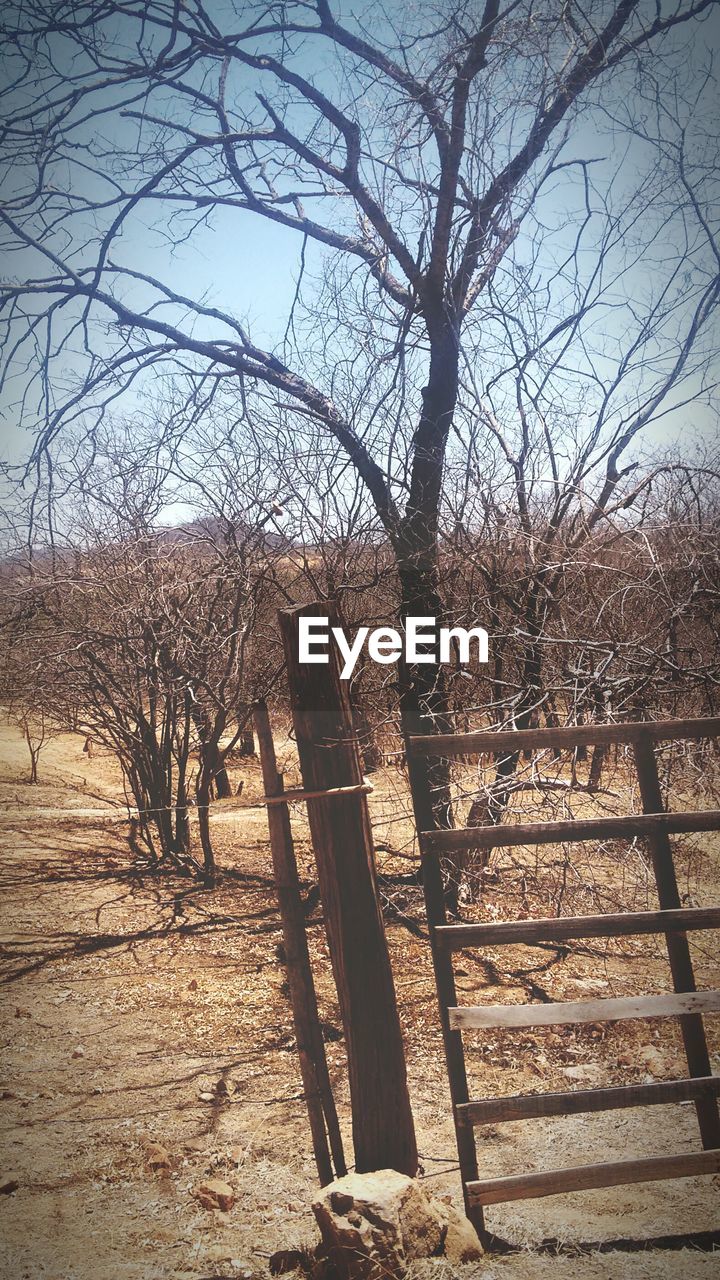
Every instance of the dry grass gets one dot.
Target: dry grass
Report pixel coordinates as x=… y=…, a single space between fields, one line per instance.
x=142 y=1011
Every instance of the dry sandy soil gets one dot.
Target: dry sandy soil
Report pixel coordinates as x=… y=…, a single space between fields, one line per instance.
x=142 y=1011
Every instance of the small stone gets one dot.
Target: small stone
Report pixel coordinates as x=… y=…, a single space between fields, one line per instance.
x=193 y=986
x=207 y=1097
x=78 y=1052
x=8 y=1184
x=218 y=1253
x=583 y=1072
x=653 y=1061
x=215 y=1194
x=195 y=1144
x=156 y=1157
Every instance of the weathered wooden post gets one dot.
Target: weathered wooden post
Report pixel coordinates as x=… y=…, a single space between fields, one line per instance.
x=681 y=966
x=308 y=1033
x=383 y=1129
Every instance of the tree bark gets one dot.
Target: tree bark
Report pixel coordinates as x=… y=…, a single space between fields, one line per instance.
x=424 y=703
x=211 y=757
x=203 y=814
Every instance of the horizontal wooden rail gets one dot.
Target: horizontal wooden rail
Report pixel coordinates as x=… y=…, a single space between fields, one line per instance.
x=506 y=834
x=296 y=794
x=510 y=740
x=615 y=1010
x=533 y=1106
x=587 y=1177
x=559 y=929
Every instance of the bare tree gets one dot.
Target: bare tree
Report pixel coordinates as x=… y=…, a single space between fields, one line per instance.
x=139 y=634
x=36 y=732
x=479 y=193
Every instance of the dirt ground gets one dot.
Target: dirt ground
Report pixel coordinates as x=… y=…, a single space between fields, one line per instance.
x=142 y=1012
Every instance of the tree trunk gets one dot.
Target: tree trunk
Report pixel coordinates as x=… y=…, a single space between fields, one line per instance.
x=246 y=746
x=596 y=766
x=369 y=750
x=182 y=820
x=223 y=787
x=424 y=703
x=212 y=762
x=600 y=750
x=526 y=708
x=383 y=1130
x=182 y=817
x=203 y=815
x=424 y=708
x=34 y=755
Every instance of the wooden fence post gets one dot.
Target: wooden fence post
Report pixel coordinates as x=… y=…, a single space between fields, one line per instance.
x=435 y=909
x=383 y=1129
x=308 y=1033
x=693 y=1030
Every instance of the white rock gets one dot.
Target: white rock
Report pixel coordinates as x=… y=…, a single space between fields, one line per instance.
x=373 y=1224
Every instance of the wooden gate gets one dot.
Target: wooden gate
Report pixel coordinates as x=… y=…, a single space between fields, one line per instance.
x=655 y=826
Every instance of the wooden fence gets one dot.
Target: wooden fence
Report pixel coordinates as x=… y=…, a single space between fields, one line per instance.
x=655 y=826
